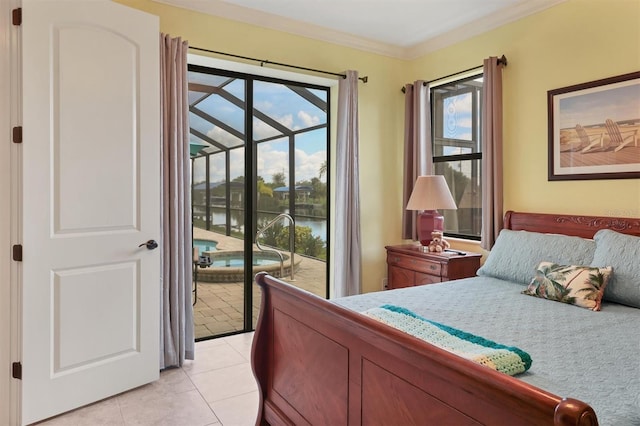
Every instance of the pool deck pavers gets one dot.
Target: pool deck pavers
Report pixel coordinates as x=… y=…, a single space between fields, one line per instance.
x=220 y=306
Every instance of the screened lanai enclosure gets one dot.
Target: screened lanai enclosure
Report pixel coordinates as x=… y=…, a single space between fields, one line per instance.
x=259 y=150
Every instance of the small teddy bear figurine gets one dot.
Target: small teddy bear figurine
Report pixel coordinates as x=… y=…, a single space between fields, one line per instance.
x=438 y=244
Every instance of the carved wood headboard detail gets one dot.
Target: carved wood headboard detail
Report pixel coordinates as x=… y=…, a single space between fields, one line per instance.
x=579 y=226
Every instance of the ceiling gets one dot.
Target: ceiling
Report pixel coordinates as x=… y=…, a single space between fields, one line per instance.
x=398 y=28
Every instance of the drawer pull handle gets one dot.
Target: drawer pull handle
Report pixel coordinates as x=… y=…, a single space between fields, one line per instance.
x=433 y=267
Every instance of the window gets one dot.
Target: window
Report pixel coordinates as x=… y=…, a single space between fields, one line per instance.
x=456 y=109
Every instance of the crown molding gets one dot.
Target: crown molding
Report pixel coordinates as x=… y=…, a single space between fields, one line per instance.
x=287 y=25
x=278 y=23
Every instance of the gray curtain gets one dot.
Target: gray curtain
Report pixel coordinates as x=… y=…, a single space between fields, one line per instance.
x=347 y=268
x=176 y=311
x=418 y=151
x=492 y=193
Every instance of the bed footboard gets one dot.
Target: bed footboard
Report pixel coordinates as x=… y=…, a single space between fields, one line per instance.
x=318 y=363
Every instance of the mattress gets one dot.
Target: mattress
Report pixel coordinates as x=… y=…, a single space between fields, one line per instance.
x=576 y=352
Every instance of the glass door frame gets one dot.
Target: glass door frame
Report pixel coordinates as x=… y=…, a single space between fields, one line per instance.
x=250 y=185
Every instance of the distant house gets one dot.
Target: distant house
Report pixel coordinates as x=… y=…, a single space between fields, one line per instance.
x=303 y=192
x=217 y=193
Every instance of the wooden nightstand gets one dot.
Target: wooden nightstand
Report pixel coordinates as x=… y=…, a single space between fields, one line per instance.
x=408 y=265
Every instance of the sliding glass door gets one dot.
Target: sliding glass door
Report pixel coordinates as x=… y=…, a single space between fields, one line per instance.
x=259 y=154
x=217 y=117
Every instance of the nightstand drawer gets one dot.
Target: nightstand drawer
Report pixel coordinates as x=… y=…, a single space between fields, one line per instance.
x=415 y=264
x=422 y=279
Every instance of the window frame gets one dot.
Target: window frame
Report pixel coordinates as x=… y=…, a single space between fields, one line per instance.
x=476 y=133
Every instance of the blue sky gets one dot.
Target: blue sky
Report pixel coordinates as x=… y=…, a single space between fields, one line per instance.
x=457 y=117
x=457 y=121
x=280 y=104
x=619 y=103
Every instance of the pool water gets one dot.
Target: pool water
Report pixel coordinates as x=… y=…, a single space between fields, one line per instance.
x=228 y=266
x=239 y=263
x=205 y=245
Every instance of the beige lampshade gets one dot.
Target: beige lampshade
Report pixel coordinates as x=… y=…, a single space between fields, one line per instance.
x=431 y=193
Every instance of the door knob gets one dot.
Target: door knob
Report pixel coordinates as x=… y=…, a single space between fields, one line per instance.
x=151 y=244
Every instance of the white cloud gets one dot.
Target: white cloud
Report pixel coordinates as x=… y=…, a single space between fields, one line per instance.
x=262 y=130
x=308 y=165
x=198 y=171
x=222 y=136
x=217 y=167
x=307 y=119
x=286 y=120
x=236 y=164
x=217 y=172
x=271 y=161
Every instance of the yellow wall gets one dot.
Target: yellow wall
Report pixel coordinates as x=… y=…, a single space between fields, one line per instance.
x=574 y=42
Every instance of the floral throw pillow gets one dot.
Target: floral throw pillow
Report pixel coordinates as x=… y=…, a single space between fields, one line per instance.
x=578 y=285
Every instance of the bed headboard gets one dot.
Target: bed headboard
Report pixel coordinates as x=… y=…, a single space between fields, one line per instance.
x=579 y=226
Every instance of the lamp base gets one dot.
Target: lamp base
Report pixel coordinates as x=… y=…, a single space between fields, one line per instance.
x=429 y=221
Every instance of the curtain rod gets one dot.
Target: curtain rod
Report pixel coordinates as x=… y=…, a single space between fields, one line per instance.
x=501 y=60
x=265 y=61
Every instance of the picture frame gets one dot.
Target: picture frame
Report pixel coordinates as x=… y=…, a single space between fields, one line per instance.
x=594 y=129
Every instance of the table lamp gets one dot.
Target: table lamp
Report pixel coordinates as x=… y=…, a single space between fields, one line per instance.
x=429 y=194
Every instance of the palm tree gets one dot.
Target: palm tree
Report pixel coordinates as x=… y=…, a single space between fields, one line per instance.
x=322 y=170
x=596 y=281
x=551 y=279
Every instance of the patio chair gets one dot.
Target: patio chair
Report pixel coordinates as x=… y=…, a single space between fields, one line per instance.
x=617 y=137
x=588 y=141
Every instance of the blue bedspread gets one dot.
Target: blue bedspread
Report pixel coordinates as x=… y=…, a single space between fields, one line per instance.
x=578 y=353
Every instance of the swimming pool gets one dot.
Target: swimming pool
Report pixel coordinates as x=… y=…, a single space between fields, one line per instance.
x=228 y=266
x=259 y=259
x=205 y=245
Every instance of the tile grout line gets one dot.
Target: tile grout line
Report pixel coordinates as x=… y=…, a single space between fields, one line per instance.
x=198 y=389
x=247 y=362
x=203 y=398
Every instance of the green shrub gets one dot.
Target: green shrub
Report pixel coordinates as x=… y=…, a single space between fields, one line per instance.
x=305 y=242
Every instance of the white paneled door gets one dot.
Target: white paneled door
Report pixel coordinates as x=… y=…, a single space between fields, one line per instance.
x=91 y=189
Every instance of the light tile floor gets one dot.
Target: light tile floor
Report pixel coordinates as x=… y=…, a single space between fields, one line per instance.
x=217 y=388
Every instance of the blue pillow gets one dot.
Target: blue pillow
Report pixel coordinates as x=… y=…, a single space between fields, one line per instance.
x=516 y=254
x=623 y=253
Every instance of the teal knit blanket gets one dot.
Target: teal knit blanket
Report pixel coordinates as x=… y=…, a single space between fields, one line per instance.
x=506 y=359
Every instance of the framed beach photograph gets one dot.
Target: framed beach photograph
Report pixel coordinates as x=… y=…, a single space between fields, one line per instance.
x=594 y=129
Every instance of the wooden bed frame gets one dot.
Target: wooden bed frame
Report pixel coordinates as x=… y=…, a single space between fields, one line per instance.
x=319 y=363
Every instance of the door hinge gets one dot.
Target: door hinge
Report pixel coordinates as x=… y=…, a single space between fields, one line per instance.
x=17 y=134
x=16 y=16
x=16 y=370
x=17 y=252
